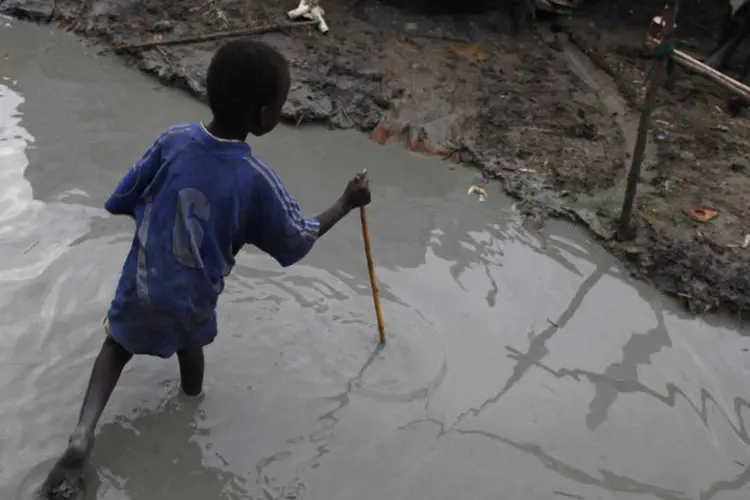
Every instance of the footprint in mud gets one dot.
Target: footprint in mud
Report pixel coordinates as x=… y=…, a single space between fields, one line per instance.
x=30 y=487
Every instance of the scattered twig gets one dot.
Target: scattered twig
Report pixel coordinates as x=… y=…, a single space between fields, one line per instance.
x=208 y=37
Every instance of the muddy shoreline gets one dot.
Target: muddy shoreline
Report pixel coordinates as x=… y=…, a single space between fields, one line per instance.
x=549 y=113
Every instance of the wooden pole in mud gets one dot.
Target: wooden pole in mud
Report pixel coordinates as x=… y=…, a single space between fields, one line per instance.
x=658 y=72
x=371 y=269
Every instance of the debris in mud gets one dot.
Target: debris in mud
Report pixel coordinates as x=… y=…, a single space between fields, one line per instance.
x=700 y=214
x=478 y=191
x=310 y=10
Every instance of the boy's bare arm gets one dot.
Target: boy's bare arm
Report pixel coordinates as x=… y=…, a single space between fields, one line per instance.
x=357 y=194
x=279 y=229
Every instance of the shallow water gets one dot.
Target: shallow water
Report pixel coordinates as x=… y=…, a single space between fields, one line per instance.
x=515 y=370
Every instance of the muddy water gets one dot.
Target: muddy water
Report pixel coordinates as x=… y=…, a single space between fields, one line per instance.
x=516 y=368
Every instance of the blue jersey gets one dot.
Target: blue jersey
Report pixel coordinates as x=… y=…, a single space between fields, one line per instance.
x=196 y=200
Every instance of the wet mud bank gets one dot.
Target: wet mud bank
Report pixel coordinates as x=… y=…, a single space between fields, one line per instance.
x=551 y=113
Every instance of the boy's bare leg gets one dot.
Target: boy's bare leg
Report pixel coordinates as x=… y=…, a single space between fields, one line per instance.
x=191 y=370
x=104 y=376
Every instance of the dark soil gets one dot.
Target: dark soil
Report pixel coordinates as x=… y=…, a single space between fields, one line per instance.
x=476 y=90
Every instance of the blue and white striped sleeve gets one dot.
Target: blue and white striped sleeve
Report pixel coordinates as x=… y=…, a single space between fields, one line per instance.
x=278 y=227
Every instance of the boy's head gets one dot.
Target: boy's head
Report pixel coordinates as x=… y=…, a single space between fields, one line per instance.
x=247 y=85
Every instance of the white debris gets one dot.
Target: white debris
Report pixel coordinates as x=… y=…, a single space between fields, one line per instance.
x=478 y=191
x=309 y=9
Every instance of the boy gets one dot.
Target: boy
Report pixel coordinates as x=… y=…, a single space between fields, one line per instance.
x=198 y=196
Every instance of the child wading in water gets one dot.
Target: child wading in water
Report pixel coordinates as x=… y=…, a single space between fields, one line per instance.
x=198 y=195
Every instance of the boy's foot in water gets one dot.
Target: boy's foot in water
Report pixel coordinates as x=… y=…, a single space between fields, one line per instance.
x=65 y=481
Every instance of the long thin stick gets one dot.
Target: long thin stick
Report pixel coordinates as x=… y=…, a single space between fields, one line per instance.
x=738 y=88
x=658 y=73
x=371 y=269
x=207 y=37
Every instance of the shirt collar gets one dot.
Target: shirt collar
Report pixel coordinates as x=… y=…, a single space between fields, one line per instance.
x=229 y=146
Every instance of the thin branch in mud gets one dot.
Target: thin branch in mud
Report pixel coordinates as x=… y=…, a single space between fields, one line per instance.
x=658 y=73
x=258 y=30
x=738 y=88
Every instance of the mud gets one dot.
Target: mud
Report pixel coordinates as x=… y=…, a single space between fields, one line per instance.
x=549 y=112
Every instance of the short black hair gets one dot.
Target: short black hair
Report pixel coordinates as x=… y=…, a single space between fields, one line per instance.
x=243 y=76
